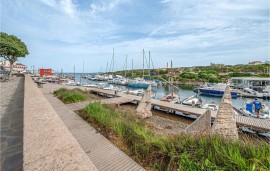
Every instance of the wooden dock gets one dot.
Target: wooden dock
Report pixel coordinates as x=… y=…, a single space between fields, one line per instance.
x=255 y=123
x=103 y=154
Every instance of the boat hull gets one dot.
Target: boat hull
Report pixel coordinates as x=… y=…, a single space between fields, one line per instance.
x=138 y=85
x=216 y=93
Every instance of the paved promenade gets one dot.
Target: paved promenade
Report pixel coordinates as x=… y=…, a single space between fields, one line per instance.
x=48 y=144
x=12 y=101
x=104 y=155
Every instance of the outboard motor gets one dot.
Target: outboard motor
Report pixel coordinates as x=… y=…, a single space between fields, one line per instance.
x=249 y=106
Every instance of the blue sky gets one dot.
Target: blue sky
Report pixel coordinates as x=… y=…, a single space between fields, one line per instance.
x=63 y=33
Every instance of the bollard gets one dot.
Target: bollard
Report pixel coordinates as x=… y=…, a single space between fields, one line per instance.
x=193 y=103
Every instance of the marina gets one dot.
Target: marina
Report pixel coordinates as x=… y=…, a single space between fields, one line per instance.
x=122 y=85
x=162 y=90
x=254 y=123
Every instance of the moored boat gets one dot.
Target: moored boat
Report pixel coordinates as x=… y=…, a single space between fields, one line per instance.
x=217 y=91
x=211 y=106
x=192 y=100
x=172 y=98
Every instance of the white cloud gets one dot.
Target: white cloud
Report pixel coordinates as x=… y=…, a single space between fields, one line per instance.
x=189 y=32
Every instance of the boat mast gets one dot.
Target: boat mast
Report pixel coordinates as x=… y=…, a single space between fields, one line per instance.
x=107 y=67
x=149 y=67
x=132 y=69
x=126 y=66
x=74 y=73
x=172 y=87
x=113 y=61
x=143 y=64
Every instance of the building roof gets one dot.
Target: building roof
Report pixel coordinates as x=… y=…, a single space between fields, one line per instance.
x=251 y=78
x=255 y=62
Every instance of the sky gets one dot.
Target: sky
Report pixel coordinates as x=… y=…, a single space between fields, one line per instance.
x=61 y=34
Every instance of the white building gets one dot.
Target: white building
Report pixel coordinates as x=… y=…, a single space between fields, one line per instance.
x=17 y=67
x=251 y=81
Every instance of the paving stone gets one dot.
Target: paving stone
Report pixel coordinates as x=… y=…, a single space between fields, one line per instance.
x=13 y=162
x=14 y=141
x=3 y=139
x=48 y=145
x=12 y=124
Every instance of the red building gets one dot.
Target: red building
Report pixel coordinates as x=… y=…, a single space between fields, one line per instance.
x=45 y=72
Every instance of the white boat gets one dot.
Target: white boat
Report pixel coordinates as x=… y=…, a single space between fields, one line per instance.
x=248 y=111
x=265 y=134
x=211 y=106
x=192 y=100
x=248 y=130
x=89 y=85
x=266 y=93
x=111 y=87
x=139 y=92
x=101 y=85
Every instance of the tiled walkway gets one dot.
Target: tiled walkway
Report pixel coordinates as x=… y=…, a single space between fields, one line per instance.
x=12 y=100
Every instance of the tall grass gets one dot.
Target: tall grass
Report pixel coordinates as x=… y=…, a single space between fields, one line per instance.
x=70 y=96
x=181 y=152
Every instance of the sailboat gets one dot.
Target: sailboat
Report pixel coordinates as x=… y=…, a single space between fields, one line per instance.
x=172 y=97
x=141 y=82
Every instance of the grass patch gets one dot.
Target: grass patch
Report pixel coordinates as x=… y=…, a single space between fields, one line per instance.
x=180 y=152
x=70 y=96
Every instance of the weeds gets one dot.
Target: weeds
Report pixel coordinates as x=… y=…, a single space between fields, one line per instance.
x=70 y=96
x=182 y=152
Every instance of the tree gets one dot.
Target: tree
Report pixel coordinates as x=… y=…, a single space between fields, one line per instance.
x=11 y=48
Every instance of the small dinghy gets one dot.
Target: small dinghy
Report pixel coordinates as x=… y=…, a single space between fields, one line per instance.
x=211 y=106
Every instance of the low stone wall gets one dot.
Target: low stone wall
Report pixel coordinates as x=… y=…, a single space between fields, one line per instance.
x=201 y=126
x=48 y=145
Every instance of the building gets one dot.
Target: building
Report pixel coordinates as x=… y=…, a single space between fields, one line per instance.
x=255 y=63
x=45 y=72
x=17 y=67
x=251 y=81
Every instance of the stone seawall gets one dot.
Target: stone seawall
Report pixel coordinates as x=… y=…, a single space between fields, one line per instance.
x=48 y=145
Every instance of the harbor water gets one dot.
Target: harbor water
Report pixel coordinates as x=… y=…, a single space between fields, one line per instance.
x=161 y=91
